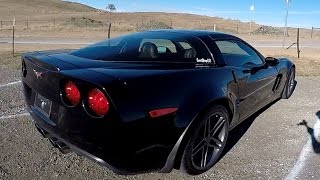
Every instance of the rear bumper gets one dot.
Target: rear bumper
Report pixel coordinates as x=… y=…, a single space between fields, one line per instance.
x=68 y=145
x=138 y=156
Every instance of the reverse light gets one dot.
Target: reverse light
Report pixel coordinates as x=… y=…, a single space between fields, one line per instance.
x=72 y=93
x=98 y=102
x=162 y=112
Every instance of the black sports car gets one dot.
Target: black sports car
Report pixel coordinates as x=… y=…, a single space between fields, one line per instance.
x=151 y=101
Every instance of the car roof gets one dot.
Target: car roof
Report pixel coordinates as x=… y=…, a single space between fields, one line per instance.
x=215 y=35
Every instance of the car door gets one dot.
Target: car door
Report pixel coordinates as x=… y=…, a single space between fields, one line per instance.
x=255 y=79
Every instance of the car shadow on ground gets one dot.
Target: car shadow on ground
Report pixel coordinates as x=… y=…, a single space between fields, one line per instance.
x=314 y=141
x=236 y=134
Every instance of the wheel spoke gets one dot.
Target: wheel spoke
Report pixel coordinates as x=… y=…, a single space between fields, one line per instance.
x=198 y=147
x=204 y=156
x=217 y=126
x=215 y=143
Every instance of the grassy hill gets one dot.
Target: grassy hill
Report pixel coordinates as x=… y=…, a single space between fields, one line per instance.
x=43 y=15
x=47 y=10
x=34 y=8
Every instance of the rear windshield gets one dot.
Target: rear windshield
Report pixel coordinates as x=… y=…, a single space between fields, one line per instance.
x=149 y=46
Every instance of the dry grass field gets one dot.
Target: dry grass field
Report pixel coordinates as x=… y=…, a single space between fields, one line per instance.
x=307 y=65
x=56 y=18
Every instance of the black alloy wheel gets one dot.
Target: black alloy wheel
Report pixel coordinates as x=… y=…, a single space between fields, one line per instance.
x=207 y=141
x=291 y=83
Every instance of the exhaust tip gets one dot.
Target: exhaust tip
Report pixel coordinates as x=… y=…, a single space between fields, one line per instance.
x=63 y=147
x=54 y=141
x=60 y=145
x=44 y=133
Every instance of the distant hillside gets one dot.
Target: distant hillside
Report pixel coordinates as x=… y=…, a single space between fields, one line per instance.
x=66 y=13
x=33 y=8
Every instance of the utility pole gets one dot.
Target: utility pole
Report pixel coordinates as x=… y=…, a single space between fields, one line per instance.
x=251 y=12
x=285 y=32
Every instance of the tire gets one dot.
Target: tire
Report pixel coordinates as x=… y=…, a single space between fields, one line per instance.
x=205 y=147
x=290 y=85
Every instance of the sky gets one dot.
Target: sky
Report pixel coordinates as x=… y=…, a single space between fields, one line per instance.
x=302 y=13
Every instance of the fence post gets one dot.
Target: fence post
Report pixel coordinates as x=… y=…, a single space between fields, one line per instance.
x=311 y=32
x=298 y=42
x=171 y=24
x=214 y=27
x=109 y=30
x=1 y=23
x=13 y=35
x=27 y=23
x=86 y=23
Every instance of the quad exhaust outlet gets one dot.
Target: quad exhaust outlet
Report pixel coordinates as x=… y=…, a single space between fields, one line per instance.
x=54 y=141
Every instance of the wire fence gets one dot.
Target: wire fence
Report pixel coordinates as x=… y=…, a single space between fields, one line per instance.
x=4 y=24
x=233 y=27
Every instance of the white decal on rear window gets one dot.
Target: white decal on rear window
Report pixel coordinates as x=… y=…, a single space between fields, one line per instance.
x=202 y=60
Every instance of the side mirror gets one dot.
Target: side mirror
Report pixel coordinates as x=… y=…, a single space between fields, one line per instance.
x=271 y=61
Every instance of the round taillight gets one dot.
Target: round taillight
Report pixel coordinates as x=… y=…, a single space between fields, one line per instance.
x=72 y=94
x=98 y=102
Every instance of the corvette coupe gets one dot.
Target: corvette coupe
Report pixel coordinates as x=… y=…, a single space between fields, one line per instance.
x=151 y=101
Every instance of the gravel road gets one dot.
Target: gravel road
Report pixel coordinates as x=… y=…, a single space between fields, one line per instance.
x=264 y=147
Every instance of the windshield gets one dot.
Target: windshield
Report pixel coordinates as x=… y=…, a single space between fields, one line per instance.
x=148 y=46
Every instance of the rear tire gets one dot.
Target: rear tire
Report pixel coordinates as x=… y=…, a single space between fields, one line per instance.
x=207 y=141
x=290 y=85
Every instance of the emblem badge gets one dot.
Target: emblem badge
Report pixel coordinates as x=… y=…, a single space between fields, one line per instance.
x=38 y=74
x=43 y=104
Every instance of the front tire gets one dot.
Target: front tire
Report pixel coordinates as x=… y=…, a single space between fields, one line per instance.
x=290 y=85
x=207 y=141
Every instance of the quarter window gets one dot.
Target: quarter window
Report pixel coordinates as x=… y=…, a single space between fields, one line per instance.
x=237 y=53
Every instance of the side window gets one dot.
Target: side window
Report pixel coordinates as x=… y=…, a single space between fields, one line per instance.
x=237 y=53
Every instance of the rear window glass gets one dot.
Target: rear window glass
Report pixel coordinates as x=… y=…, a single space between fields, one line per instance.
x=147 y=46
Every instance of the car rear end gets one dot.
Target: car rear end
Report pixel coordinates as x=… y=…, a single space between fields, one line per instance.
x=74 y=108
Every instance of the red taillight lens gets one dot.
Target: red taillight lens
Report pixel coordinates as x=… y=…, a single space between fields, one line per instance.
x=98 y=102
x=72 y=93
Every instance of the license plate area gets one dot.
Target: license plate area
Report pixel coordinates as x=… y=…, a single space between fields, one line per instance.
x=43 y=104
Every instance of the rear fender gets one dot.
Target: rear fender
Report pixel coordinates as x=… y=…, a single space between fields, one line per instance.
x=193 y=107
